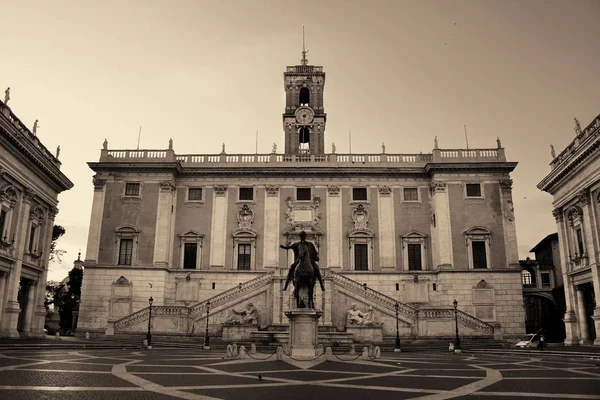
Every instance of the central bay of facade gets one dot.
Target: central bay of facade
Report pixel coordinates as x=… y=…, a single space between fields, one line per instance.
x=399 y=237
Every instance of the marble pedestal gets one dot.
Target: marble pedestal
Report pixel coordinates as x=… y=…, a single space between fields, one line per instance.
x=303 y=332
x=238 y=332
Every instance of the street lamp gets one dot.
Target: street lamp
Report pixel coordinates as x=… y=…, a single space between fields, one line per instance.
x=398 y=348
x=457 y=348
x=149 y=334
x=206 y=340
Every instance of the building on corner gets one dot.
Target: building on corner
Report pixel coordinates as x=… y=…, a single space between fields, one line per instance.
x=574 y=182
x=30 y=181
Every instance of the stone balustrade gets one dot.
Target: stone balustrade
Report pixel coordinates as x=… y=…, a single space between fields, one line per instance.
x=333 y=159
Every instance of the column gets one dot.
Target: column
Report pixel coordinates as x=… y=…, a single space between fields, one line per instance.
x=93 y=244
x=583 y=324
x=335 y=238
x=510 y=230
x=442 y=245
x=29 y=309
x=218 y=229
x=39 y=317
x=570 y=318
x=2 y=296
x=164 y=217
x=387 y=231
x=12 y=307
x=595 y=223
x=271 y=228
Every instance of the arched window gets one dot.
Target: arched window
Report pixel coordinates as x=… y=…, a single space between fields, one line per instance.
x=304 y=97
x=526 y=277
x=304 y=140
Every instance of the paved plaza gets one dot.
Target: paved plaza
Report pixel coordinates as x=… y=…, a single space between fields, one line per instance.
x=196 y=374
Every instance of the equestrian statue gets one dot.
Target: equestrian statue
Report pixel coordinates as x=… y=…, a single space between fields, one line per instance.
x=304 y=271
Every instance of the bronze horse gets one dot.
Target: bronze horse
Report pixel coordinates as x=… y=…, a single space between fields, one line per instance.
x=304 y=276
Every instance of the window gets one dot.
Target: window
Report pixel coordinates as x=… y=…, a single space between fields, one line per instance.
x=479 y=254
x=579 y=242
x=132 y=189
x=194 y=194
x=303 y=194
x=32 y=238
x=526 y=278
x=190 y=252
x=545 y=279
x=246 y=193
x=304 y=96
x=359 y=194
x=244 y=256
x=126 y=252
x=411 y=194
x=414 y=256
x=414 y=246
x=2 y=220
x=361 y=257
x=473 y=190
x=304 y=140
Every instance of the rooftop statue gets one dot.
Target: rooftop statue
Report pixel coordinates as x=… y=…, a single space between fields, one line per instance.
x=6 y=95
x=577 y=126
x=105 y=144
x=552 y=152
x=35 y=126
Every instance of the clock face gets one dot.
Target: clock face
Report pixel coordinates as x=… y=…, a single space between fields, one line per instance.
x=304 y=115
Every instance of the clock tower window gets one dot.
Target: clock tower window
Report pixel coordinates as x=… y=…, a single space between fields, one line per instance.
x=304 y=97
x=304 y=140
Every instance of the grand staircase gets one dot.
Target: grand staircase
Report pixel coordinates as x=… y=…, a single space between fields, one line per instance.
x=184 y=319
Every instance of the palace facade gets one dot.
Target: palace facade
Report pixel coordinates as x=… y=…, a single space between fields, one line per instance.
x=30 y=181
x=406 y=234
x=574 y=181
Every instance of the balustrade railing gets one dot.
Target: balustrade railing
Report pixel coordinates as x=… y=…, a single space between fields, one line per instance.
x=463 y=318
x=374 y=295
x=199 y=308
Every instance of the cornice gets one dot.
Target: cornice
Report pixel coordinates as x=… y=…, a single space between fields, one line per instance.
x=49 y=172
x=562 y=172
x=471 y=166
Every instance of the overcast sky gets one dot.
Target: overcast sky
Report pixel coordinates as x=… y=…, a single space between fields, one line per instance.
x=207 y=72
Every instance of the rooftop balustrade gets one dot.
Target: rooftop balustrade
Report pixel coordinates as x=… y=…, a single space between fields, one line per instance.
x=437 y=156
x=587 y=135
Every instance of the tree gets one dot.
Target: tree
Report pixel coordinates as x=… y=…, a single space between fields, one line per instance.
x=56 y=254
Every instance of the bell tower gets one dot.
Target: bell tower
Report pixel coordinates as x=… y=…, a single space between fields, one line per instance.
x=304 y=117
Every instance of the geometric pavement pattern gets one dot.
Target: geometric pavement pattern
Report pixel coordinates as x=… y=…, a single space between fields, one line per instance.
x=203 y=375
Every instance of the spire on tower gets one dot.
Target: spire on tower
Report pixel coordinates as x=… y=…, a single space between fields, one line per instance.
x=304 y=51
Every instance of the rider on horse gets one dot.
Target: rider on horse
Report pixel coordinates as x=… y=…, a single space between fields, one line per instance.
x=314 y=257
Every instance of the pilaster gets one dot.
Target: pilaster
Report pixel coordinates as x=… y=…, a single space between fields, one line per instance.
x=583 y=323
x=387 y=232
x=442 y=244
x=334 y=228
x=12 y=307
x=29 y=309
x=570 y=319
x=218 y=229
x=271 y=227
x=93 y=244
x=509 y=227
x=164 y=219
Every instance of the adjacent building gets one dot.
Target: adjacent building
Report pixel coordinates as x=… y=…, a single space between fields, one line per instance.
x=30 y=181
x=405 y=233
x=543 y=292
x=574 y=181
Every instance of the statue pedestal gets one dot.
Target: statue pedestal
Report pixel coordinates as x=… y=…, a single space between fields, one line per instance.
x=238 y=332
x=303 y=332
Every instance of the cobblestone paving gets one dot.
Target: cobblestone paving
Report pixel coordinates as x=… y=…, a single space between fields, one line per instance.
x=204 y=375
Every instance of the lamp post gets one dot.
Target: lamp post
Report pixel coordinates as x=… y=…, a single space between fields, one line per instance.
x=457 y=348
x=398 y=348
x=206 y=340
x=149 y=334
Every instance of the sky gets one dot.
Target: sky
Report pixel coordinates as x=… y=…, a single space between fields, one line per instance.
x=207 y=72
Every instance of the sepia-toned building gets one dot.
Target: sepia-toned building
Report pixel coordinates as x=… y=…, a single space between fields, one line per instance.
x=30 y=181
x=543 y=292
x=574 y=181
x=406 y=231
